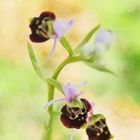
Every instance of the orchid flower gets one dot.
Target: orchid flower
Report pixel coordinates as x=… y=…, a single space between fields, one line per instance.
x=75 y=117
x=72 y=116
x=46 y=27
x=97 y=128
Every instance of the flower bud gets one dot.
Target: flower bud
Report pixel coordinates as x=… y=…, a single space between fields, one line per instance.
x=104 y=40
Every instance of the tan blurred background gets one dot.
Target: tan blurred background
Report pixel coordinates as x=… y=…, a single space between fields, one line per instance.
x=23 y=94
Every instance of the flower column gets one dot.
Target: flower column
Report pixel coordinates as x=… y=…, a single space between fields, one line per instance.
x=77 y=112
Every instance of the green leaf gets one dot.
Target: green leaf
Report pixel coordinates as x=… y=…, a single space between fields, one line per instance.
x=101 y=68
x=34 y=61
x=86 y=39
x=66 y=45
x=56 y=84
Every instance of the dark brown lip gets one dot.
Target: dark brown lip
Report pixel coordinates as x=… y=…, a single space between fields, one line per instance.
x=38 y=27
x=74 y=117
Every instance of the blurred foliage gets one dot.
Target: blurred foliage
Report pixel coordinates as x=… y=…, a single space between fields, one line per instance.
x=124 y=18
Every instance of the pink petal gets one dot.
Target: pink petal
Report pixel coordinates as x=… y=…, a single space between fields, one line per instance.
x=53 y=49
x=52 y=102
x=72 y=91
x=69 y=90
x=61 y=27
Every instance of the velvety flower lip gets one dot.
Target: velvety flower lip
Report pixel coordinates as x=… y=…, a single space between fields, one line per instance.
x=75 y=117
x=98 y=131
x=40 y=27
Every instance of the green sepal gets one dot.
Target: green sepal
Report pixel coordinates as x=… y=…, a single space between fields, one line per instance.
x=101 y=68
x=86 y=39
x=76 y=103
x=56 y=84
x=34 y=61
x=66 y=45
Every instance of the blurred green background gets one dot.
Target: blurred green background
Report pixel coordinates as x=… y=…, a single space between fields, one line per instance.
x=23 y=94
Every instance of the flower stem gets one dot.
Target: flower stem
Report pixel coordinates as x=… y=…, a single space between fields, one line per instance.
x=51 y=88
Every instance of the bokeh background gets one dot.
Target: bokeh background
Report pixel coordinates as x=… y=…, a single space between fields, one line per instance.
x=23 y=94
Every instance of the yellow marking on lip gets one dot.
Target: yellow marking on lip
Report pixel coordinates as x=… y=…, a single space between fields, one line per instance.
x=37 y=21
x=98 y=134
x=41 y=33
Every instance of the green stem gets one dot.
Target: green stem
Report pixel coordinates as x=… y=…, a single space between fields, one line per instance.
x=51 y=88
x=66 y=45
